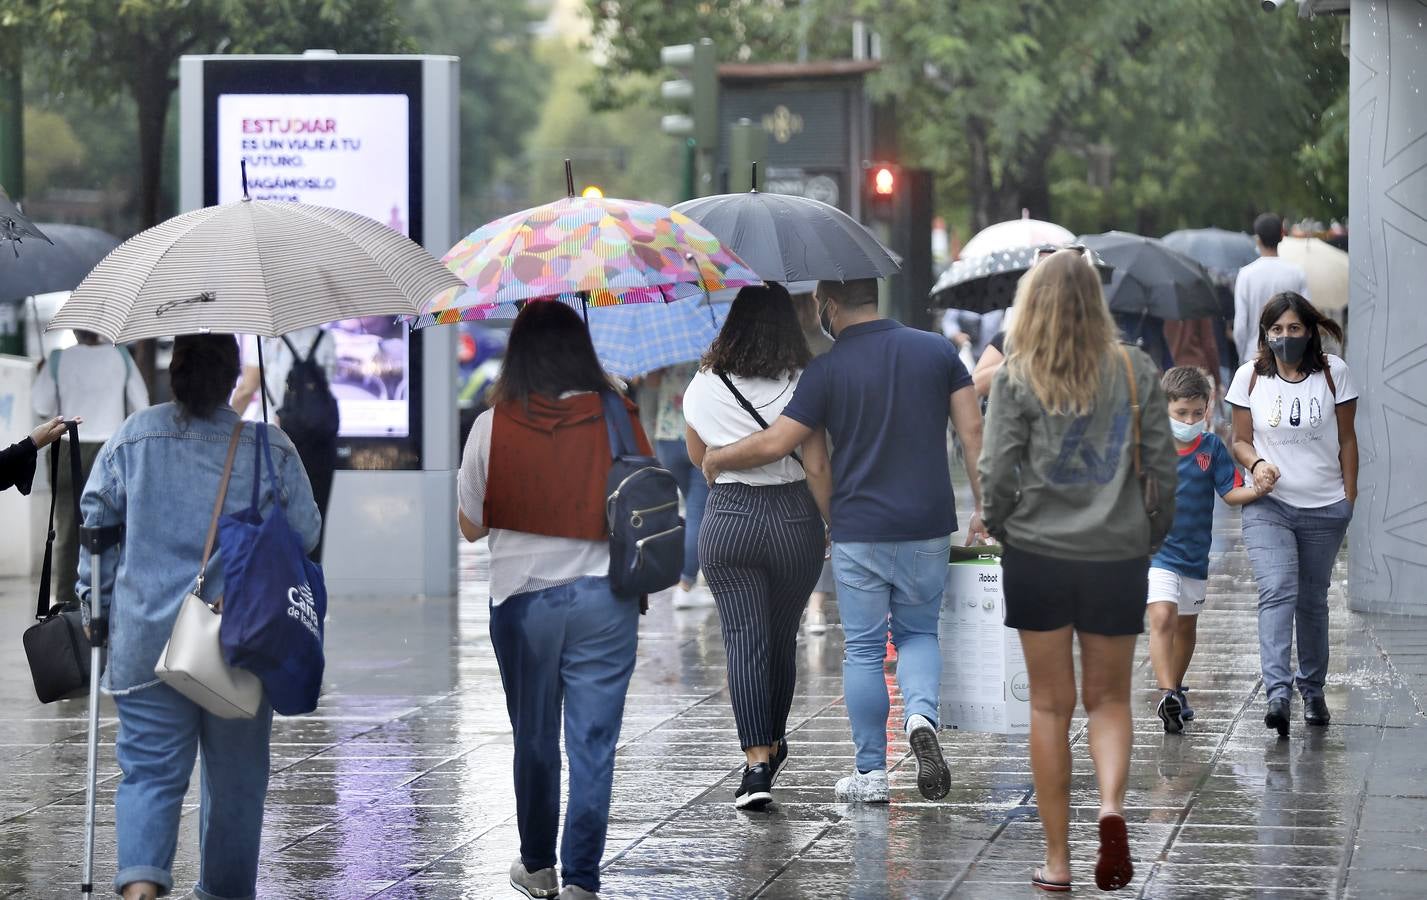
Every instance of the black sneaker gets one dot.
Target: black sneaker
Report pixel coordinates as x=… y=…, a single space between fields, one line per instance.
x=1170 y=712
x=756 y=791
x=1315 y=711
x=780 y=757
x=933 y=777
x=1186 y=712
x=1277 y=716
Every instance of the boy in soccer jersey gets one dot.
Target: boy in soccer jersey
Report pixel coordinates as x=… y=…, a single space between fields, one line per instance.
x=1179 y=572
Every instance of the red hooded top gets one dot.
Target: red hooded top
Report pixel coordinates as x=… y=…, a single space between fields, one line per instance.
x=548 y=466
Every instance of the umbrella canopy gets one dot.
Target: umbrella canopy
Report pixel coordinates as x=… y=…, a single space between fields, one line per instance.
x=601 y=250
x=1326 y=267
x=1151 y=279
x=638 y=338
x=253 y=267
x=1220 y=251
x=1015 y=233
x=983 y=283
x=60 y=265
x=786 y=238
x=14 y=226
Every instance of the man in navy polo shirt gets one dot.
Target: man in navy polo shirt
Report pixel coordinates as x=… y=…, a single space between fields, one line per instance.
x=884 y=393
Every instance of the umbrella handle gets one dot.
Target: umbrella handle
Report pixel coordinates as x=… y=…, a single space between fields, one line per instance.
x=262 y=379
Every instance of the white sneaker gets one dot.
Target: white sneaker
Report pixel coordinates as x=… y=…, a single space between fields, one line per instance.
x=691 y=598
x=816 y=622
x=541 y=883
x=933 y=777
x=863 y=787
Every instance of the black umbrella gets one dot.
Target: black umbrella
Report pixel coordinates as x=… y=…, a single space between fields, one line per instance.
x=981 y=284
x=1222 y=252
x=787 y=238
x=14 y=226
x=60 y=265
x=1151 y=279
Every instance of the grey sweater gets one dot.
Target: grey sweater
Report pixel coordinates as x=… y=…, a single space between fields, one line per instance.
x=1064 y=486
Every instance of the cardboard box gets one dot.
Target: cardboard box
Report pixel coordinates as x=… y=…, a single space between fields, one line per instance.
x=984 y=686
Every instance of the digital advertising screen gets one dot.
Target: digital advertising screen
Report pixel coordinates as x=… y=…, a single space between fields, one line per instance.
x=344 y=135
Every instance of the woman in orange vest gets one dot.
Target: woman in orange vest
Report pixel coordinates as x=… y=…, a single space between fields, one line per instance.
x=533 y=479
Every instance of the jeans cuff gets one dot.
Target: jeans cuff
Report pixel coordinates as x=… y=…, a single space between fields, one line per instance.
x=590 y=883
x=160 y=877
x=201 y=894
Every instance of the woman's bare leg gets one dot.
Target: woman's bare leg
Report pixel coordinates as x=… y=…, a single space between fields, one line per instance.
x=1050 y=664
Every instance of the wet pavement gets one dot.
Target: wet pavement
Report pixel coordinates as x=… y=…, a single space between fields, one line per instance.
x=399 y=786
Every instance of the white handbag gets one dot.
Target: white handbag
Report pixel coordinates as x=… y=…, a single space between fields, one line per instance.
x=192 y=660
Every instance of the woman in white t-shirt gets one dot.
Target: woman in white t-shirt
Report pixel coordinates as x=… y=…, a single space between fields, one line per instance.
x=1294 y=407
x=763 y=535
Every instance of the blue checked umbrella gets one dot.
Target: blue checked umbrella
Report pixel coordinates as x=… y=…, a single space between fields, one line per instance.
x=639 y=338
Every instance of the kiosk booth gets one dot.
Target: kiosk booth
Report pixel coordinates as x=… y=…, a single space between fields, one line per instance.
x=376 y=135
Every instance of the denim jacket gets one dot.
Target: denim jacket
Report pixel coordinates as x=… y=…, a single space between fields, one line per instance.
x=158 y=477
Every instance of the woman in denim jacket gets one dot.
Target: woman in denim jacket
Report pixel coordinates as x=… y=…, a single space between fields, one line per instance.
x=158 y=477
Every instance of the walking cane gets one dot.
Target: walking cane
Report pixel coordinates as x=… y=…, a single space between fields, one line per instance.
x=96 y=541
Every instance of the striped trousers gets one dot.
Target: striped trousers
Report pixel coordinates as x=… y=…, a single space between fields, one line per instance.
x=761 y=549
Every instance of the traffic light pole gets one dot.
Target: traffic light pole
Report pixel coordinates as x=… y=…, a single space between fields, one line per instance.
x=691 y=166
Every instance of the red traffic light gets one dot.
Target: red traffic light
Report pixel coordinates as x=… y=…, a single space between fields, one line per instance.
x=884 y=181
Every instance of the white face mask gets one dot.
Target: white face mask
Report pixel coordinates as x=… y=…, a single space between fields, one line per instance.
x=1186 y=433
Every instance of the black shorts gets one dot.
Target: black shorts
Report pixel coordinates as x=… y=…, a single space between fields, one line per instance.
x=1044 y=593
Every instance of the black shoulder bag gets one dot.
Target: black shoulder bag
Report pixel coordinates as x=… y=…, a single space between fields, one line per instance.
x=56 y=646
x=752 y=410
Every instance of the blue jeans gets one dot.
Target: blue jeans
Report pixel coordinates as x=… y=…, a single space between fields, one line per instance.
x=674 y=456
x=571 y=645
x=906 y=580
x=160 y=732
x=1292 y=551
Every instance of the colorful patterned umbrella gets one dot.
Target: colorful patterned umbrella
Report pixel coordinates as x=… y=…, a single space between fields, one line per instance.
x=604 y=251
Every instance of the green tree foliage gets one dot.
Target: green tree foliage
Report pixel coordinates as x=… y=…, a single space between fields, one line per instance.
x=101 y=48
x=503 y=87
x=1184 y=111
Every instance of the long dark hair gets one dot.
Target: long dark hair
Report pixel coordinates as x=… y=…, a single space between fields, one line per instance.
x=1314 y=323
x=761 y=338
x=202 y=372
x=549 y=353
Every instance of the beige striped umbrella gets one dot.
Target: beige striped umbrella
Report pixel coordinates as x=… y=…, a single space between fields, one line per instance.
x=253 y=267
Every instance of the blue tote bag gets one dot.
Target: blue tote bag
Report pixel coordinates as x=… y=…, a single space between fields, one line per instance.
x=274 y=598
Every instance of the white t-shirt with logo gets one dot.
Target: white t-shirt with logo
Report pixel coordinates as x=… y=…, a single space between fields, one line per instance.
x=1296 y=429
x=719 y=420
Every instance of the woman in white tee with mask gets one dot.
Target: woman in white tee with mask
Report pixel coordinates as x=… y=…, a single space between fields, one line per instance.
x=1294 y=407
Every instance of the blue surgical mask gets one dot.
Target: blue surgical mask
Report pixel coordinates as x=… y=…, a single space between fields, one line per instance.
x=1186 y=433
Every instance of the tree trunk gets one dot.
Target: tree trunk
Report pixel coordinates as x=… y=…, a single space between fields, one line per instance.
x=1033 y=192
x=979 y=180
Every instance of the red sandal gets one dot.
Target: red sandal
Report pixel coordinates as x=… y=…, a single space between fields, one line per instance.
x=1113 y=868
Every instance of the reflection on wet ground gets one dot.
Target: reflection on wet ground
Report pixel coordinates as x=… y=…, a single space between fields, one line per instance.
x=400 y=785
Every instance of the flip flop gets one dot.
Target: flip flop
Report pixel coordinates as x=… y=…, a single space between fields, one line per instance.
x=1113 y=868
x=1054 y=887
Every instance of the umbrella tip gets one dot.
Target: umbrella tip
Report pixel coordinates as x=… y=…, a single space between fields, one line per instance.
x=569 y=180
x=243 y=164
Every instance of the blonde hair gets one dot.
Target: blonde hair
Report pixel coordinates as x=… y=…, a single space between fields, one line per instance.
x=1061 y=334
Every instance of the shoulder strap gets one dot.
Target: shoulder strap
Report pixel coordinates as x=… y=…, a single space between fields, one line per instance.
x=218 y=506
x=751 y=409
x=42 y=603
x=1134 y=408
x=1253 y=380
x=1328 y=374
x=617 y=426
x=312 y=351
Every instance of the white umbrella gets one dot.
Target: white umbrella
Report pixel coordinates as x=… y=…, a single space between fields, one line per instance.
x=1326 y=267
x=254 y=267
x=1015 y=233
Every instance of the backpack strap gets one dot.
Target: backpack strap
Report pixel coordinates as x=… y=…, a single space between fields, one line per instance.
x=312 y=351
x=1328 y=374
x=617 y=426
x=751 y=409
x=1253 y=380
x=1134 y=409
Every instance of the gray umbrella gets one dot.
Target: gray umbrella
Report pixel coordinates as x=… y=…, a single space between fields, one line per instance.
x=60 y=265
x=1151 y=279
x=1222 y=252
x=786 y=238
x=984 y=283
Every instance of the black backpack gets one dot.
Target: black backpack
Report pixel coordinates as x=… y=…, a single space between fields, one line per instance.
x=309 y=411
x=646 y=532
